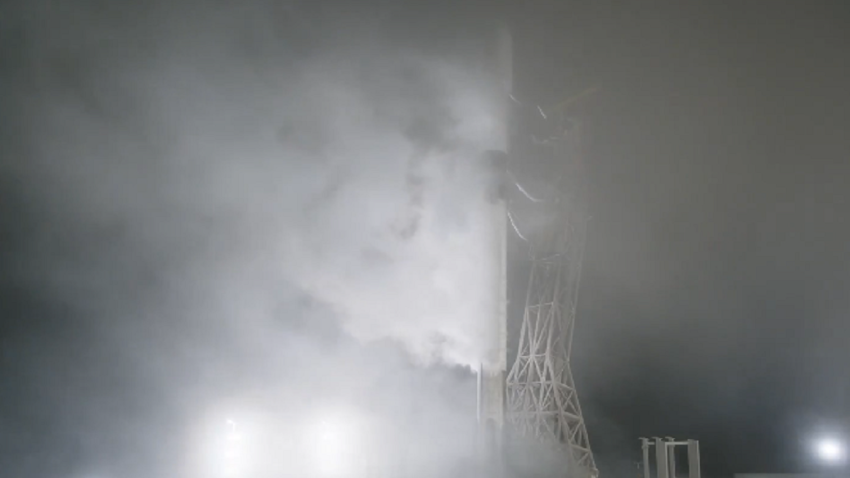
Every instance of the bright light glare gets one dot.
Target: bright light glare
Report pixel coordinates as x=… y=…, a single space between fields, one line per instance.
x=830 y=450
x=228 y=449
x=336 y=445
x=234 y=452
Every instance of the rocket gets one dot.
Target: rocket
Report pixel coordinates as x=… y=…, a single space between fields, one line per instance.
x=492 y=370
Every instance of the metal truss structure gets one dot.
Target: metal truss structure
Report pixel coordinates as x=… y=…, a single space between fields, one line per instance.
x=542 y=402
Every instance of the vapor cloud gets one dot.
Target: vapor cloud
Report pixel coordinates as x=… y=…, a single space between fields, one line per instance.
x=232 y=170
x=208 y=199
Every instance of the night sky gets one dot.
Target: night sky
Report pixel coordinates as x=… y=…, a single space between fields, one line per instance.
x=715 y=296
x=714 y=302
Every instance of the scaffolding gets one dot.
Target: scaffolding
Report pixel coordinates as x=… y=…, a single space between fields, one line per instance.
x=542 y=401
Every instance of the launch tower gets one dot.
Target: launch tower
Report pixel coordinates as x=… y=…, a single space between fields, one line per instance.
x=542 y=402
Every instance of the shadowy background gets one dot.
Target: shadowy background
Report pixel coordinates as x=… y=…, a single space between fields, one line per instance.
x=715 y=295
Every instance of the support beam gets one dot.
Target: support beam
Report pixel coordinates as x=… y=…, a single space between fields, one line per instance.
x=693 y=459
x=665 y=457
x=661 y=462
x=644 y=444
x=671 y=458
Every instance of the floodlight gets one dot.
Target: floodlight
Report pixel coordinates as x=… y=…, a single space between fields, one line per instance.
x=830 y=450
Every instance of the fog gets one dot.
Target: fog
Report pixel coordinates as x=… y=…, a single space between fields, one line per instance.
x=221 y=212
x=228 y=216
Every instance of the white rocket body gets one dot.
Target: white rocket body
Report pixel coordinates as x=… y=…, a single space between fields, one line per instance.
x=492 y=371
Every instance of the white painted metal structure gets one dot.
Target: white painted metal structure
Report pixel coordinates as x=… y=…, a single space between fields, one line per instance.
x=491 y=374
x=665 y=457
x=542 y=401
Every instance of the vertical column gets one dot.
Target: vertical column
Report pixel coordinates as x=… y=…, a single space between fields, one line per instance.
x=661 y=458
x=491 y=420
x=491 y=390
x=693 y=459
x=644 y=444
x=671 y=458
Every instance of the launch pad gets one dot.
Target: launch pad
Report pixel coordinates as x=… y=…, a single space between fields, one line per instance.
x=531 y=413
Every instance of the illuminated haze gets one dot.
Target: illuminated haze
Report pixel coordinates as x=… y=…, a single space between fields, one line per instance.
x=354 y=174
x=204 y=195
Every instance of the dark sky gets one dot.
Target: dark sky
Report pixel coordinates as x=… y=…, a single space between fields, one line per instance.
x=715 y=295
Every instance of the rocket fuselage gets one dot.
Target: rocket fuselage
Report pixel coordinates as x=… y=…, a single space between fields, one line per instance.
x=492 y=372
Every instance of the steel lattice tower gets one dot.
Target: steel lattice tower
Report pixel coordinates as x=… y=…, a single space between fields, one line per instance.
x=542 y=402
